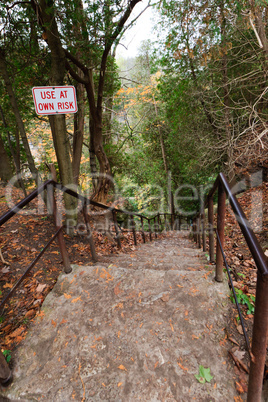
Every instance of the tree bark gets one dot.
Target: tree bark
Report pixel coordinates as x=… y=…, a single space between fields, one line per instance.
x=6 y=172
x=92 y=157
x=14 y=152
x=79 y=119
x=58 y=122
x=96 y=133
x=14 y=104
x=226 y=103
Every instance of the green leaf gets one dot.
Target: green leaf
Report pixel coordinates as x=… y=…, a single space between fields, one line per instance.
x=7 y=354
x=203 y=375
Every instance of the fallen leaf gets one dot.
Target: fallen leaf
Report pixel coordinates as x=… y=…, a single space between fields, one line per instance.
x=182 y=367
x=117 y=289
x=203 y=375
x=165 y=297
x=121 y=367
x=17 y=332
x=40 y=288
x=8 y=285
x=76 y=300
x=171 y=326
x=30 y=313
x=5 y=270
x=239 y=354
x=63 y=321
x=239 y=387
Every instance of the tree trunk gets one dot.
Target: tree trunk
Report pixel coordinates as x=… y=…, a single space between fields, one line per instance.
x=14 y=152
x=58 y=122
x=226 y=103
x=164 y=156
x=92 y=157
x=105 y=181
x=61 y=144
x=14 y=104
x=6 y=172
x=79 y=119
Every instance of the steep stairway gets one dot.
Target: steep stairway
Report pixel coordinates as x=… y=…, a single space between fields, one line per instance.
x=135 y=327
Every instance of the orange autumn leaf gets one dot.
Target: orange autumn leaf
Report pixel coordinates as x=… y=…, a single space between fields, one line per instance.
x=17 y=332
x=41 y=314
x=76 y=300
x=63 y=321
x=195 y=337
x=53 y=323
x=117 y=289
x=239 y=387
x=171 y=326
x=121 y=367
x=8 y=285
x=182 y=367
x=119 y=384
x=67 y=296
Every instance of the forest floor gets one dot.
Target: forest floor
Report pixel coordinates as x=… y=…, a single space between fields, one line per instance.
x=25 y=235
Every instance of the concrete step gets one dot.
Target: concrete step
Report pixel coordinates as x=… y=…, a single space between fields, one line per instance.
x=135 y=328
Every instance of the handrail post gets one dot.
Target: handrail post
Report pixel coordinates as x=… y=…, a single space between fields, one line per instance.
x=150 y=230
x=198 y=232
x=60 y=237
x=211 y=230
x=220 y=229
x=179 y=222
x=259 y=340
x=203 y=227
x=171 y=221
x=175 y=222
x=155 y=228
x=195 y=230
x=159 y=222
x=133 y=229
x=116 y=229
x=165 y=221
x=89 y=232
x=142 y=230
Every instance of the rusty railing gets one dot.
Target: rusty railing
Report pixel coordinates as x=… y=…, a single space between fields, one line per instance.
x=155 y=225
x=257 y=352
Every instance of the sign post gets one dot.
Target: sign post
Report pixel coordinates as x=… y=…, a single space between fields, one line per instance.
x=54 y=100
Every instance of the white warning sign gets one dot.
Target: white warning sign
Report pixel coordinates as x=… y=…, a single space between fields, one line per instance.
x=54 y=100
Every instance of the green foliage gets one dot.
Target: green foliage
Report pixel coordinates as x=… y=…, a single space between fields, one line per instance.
x=203 y=375
x=7 y=354
x=242 y=298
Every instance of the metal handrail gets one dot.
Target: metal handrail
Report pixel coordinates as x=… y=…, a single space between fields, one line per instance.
x=5 y=217
x=86 y=201
x=260 y=327
x=252 y=242
x=67 y=268
x=37 y=258
x=234 y=293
